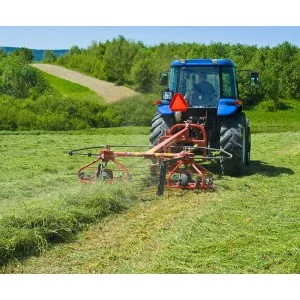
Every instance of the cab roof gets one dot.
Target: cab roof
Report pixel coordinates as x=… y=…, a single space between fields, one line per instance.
x=201 y=62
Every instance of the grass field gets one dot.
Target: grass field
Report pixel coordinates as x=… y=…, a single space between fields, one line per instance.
x=41 y=200
x=249 y=224
x=279 y=121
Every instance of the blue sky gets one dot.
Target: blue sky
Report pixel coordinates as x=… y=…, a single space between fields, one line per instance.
x=63 y=37
x=61 y=24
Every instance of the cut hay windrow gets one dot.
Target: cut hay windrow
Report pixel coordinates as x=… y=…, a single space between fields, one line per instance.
x=30 y=232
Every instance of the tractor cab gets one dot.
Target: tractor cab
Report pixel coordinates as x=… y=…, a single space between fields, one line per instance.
x=202 y=82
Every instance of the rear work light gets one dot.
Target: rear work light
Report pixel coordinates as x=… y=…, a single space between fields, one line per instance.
x=233 y=102
x=238 y=102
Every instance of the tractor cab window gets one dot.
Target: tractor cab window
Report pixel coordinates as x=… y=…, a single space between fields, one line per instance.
x=199 y=85
x=173 y=79
x=228 y=83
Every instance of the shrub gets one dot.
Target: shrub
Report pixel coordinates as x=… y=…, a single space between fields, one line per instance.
x=20 y=80
x=272 y=105
x=55 y=112
x=8 y=113
x=24 y=55
x=137 y=110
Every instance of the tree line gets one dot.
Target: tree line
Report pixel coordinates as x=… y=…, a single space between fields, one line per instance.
x=27 y=100
x=132 y=63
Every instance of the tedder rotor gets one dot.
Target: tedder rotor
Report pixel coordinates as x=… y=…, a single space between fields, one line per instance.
x=176 y=160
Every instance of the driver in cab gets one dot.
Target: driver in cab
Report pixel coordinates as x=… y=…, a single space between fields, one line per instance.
x=202 y=93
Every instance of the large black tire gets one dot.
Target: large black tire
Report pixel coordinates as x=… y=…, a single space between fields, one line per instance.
x=235 y=139
x=160 y=123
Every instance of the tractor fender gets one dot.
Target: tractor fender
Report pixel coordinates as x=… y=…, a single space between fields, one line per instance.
x=164 y=109
x=228 y=107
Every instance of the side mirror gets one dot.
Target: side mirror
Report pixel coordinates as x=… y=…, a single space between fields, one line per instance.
x=163 y=78
x=254 y=77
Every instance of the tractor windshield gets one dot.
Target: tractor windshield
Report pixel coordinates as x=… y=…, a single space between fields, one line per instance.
x=203 y=86
x=199 y=85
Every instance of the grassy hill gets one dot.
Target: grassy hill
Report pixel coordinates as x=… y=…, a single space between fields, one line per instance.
x=70 y=89
x=69 y=106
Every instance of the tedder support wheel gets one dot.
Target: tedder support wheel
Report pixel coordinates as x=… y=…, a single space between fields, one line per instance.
x=235 y=139
x=160 y=123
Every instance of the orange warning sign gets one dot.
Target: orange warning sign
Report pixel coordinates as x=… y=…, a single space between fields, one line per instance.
x=178 y=103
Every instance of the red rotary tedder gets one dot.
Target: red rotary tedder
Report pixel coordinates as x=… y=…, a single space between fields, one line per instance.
x=173 y=160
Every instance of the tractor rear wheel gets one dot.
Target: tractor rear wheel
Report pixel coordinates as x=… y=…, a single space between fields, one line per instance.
x=160 y=123
x=248 y=140
x=235 y=139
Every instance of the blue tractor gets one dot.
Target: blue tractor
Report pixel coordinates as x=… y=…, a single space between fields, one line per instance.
x=209 y=88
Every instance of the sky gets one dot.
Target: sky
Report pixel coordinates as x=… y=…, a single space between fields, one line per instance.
x=64 y=37
x=60 y=24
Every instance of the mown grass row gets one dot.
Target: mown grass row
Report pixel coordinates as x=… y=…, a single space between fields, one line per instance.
x=30 y=229
x=41 y=200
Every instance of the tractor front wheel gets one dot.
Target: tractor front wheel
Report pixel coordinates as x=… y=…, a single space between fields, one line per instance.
x=235 y=139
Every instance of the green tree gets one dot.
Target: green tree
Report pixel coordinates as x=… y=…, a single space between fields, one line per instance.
x=49 y=56
x=118 y=59
x=25 y=55
x=145 y=75
x=125 y=61
x=3 y=54
x=74 y=50
x=18 y=79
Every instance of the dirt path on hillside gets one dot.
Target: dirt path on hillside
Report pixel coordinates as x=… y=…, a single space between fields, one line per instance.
x=109 y=91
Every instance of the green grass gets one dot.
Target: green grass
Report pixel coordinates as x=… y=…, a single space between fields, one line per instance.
x=136 y=110
x=275 y=121
x=39 y=164
x=249 y=224
x=41 y=200
x=70 y=89
x=253 y=224
x=125 y=130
